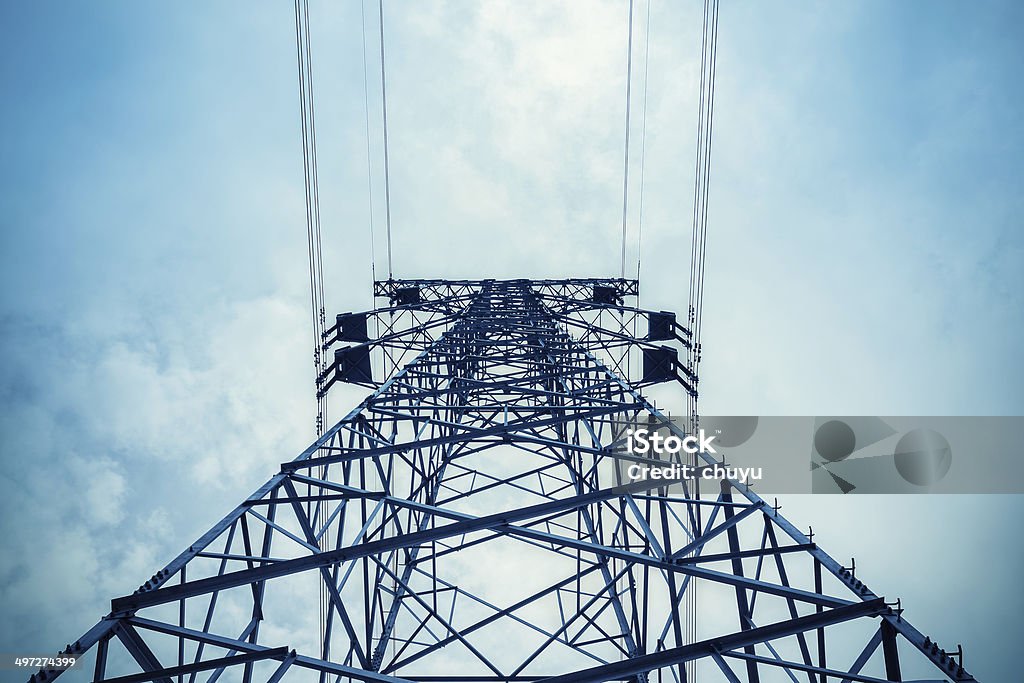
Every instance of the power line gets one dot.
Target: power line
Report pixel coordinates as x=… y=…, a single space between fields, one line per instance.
x=702 y=182
x=304 y=58
x=643 y=150
x=369 y=165
x=312 y=191
x=643 y=159
x=698 y=248
x=625 y=159
x=713 y=71
x=384 y=103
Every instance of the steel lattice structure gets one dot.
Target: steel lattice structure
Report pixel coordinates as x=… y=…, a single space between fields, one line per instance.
x=464 y=523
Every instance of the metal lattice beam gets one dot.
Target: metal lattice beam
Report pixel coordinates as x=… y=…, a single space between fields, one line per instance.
x=465 y=523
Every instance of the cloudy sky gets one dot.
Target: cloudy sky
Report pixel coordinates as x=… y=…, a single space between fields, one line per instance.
x=865 y=250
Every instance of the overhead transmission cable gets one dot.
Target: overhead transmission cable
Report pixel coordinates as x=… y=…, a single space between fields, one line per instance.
x=312 y=193
x=702 y=182
x=307 y=110
x=384 y=107
x=699 y=237
x=643 y=160
x=643 y=148
x=625 y=156
x=369 y=165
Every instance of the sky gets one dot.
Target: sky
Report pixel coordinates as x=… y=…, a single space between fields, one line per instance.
x=865 y=249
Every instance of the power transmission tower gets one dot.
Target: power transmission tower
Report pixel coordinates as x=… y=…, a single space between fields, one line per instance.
x=479 y=533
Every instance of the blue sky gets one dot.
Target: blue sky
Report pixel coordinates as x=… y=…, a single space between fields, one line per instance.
x=865 y=254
